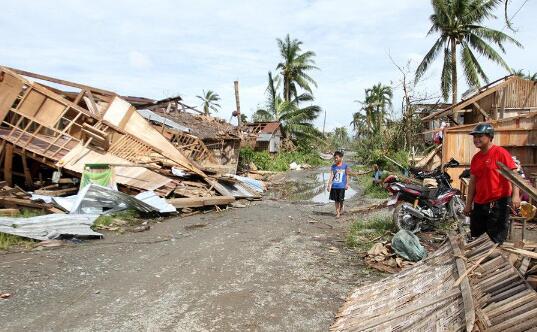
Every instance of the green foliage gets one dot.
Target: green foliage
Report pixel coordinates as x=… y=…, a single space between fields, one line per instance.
x=459 y=24
x=131 y=216
x=7 y=241
x=370 y=189
x=209 y=102
x=278 y=162
x=363 y=233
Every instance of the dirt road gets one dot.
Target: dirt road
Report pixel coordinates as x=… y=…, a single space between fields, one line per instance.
x=273 y=266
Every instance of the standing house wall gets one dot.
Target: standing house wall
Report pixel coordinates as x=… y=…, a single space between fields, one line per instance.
x=516 y=134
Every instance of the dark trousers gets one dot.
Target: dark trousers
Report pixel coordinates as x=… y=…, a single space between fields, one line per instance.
x=491 y=218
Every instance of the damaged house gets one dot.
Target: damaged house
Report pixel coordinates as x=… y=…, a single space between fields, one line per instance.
x=44 y=129
x=213 y=143
x=509 y=104
x=264 y=136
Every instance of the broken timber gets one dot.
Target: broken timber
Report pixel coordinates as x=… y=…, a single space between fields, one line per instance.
x=428 y=296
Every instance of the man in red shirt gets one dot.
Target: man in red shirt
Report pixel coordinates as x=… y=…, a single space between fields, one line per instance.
x=490 y=193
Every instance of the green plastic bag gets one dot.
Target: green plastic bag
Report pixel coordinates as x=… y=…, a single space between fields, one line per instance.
x=100 y=174
x=407 y=245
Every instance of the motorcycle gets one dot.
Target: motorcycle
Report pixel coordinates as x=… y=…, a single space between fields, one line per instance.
x=420 y=207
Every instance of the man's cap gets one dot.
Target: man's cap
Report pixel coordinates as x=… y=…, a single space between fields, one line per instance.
x=483 y=129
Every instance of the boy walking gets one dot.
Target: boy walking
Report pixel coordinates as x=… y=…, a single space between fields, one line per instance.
x=337 y=183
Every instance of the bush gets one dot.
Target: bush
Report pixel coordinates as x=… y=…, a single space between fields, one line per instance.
x=263 y=160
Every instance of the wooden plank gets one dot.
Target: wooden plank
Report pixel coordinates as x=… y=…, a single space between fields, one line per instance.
x=62 y=82
x=8 y=165
x=482 y=111
x=517 y=180
x=200 y=201
x=9 y=212
x=521 y=252
x=58 y=192
x=467 y=299
x=27 y=175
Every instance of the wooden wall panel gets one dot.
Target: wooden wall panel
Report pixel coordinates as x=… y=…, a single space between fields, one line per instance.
x=10 y=87
x=50 y=112
x=32 y=103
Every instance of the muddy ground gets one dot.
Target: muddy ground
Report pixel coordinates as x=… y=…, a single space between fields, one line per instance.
x=277 y=265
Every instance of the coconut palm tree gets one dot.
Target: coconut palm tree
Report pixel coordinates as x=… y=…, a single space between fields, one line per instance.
x=340 y=137
x=210 y=99
x=459 y=24
x=520 y=73
x=377 y=102
x=359 y=124
x=296 y=121
x=294 y=67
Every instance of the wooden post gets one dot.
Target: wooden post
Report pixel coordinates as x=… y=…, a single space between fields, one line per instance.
x=27 y=174
x=237 y=101
x=8 y=165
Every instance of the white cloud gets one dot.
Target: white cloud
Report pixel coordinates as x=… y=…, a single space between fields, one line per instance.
x=139 y=60
x=183 y=46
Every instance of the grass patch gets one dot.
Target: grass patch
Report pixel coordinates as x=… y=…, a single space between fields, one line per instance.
x=28 y=213
x=370 y=189
x=8 y=240
x=129 y=217
x=363 y=233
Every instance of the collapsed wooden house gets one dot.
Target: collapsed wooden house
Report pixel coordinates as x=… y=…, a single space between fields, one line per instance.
x=264 y=136
x=45 y=126
x=213 y=143
x=460 y=287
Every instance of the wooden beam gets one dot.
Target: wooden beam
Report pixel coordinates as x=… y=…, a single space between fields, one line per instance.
x=502 y=103
x=200 y=201
x=8 y=165
x=480 y=109
x=27 y=174
x=517 y=180
x=62 y=82
x=93 y=104
x=467 y=299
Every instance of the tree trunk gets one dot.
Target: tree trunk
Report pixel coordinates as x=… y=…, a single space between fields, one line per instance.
x=286 y=88
x=453 y=71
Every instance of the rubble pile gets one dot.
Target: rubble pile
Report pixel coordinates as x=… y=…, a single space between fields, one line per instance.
x=63 y=145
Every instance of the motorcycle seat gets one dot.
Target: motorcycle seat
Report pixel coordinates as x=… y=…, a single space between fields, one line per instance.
x=424 y=191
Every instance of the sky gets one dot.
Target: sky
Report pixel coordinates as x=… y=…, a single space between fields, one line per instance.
x=160 y=48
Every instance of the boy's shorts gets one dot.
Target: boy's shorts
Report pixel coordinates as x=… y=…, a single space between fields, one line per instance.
x=337 y=194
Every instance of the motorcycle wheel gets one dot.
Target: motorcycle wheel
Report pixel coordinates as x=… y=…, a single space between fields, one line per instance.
x=404 y=220
x=456 y=207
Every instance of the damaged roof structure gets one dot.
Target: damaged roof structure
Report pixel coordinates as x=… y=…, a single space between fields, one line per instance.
x=264 y=136
x=43 y=127
x=461 y=287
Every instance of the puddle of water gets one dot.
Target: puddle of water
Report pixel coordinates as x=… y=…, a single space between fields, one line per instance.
x=314 y=191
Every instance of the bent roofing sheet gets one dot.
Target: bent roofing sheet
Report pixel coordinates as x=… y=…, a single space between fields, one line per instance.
x=50 y=226
x=154 y=117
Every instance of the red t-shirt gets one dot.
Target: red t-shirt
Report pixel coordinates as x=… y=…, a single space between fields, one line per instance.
x=490 y=185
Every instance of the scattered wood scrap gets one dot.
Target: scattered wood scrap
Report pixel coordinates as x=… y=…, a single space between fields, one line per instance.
x=191 y=202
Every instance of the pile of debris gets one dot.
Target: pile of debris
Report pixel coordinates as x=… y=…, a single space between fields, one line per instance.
x=472 y=287
x=90 y=151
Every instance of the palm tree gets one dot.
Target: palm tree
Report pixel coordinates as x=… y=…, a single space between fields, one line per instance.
x=378 y=100
x=296 y=121
x=340 y=137
x=459 y=23
x=529 y=76
x=379 y=97
x=359 y=124
x=294 y=67
x=210 y=99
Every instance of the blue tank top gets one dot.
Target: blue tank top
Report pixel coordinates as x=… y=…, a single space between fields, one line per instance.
x=339 y=180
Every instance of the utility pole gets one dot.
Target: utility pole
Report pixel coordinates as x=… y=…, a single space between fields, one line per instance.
x=238 y=103
x=324 y=122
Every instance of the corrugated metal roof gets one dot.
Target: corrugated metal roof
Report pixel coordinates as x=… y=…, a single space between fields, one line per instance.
x=154 y=117
x=271 y=127
x=50 y=226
